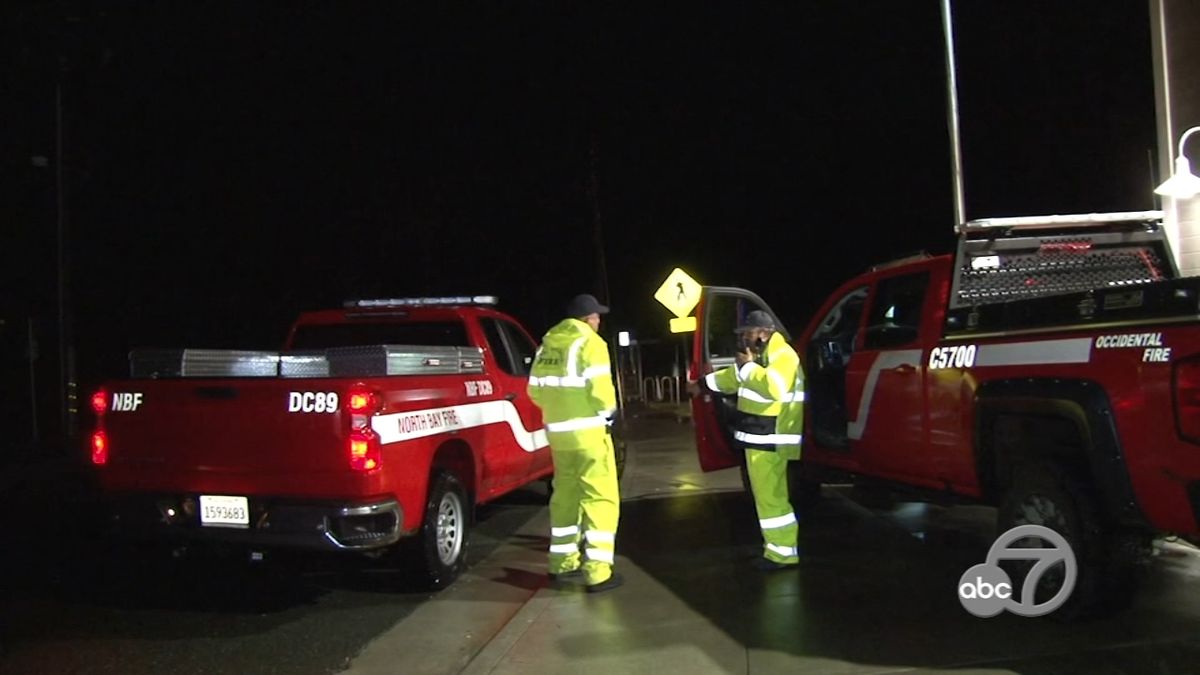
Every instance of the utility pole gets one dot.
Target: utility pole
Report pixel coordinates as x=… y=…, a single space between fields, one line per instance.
x=597 y=231
x=66 y=374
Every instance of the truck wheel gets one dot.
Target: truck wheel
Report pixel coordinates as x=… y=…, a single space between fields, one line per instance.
x=1048 y=495
x=444 y=536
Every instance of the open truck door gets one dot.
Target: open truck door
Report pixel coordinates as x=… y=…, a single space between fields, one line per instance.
x=714 y=345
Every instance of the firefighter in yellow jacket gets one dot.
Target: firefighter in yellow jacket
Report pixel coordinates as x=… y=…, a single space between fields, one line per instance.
x=571 y=381
x=769 y=382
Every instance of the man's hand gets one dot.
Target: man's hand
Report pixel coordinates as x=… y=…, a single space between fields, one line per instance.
x=744 y=357
x=693 y=387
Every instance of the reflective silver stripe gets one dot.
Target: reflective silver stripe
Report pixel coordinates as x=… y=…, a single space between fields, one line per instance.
x=780 y=521
x=573 y=356
x=1069 y=350
x=750 y=394
x=599 y=554
x=564 y=548
x=776 y=379
x=556 y=381
x=787 y=551
x=772 y=439
x=795 y=396
x=577 y=424
x=745 y=370
x=608 y=413
x=599 y=537
x=596 y=371
x=711 y=381
x=564 y=531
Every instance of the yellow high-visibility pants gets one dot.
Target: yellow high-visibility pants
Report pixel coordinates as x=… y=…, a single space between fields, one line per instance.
x=776 y=519
x=584 y=510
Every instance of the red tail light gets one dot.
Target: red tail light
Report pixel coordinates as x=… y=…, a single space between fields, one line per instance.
x=362 y=401
x=100 y=401
x=99 y=448
x=1187 y=398
x=365 y=451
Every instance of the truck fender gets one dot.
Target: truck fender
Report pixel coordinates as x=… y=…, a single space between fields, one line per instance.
x=1033 y=419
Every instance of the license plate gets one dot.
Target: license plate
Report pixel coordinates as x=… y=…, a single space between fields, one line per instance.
x=223 y=510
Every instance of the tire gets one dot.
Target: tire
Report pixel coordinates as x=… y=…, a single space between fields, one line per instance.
x=445 y=534
x=1050 y=495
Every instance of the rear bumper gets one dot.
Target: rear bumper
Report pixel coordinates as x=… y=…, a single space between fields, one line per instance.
x=274 y=522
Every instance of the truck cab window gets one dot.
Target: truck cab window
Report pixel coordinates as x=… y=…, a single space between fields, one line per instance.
x=833 y=340
x=512 y=349
x=723 y=315
x=895 y=316
x=495 y=340
x=829 y=351
x=520 y=346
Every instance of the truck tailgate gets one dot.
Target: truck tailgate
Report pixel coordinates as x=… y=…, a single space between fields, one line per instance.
x=236 y=425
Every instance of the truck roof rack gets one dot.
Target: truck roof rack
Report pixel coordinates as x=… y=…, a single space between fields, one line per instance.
x=1068 y=220
x=422 y=302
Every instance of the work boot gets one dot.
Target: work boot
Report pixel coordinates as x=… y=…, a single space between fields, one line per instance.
x=608 y=584
x=562 y=576
x=768 y=565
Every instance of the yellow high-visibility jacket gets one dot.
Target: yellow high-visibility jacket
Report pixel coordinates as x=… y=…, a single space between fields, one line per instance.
x=770 y=393
x=571 y=381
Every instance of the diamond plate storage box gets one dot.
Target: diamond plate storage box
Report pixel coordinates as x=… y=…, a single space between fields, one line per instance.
x=381 y=360
x=168 y=363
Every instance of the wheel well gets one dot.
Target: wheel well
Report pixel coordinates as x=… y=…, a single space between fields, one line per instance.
x=1070 y=422
x=456 y=457
x=1019 y=431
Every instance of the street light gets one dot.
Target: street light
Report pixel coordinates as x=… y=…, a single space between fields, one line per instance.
x=1183 y=184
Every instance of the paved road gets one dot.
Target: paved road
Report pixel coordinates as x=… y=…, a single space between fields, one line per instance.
x=875 y=593
x=69 y=606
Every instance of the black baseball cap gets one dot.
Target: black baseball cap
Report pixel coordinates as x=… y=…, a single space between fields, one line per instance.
x=585 y=304
x=756 y=319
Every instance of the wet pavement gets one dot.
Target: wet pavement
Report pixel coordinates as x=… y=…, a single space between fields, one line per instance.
x=875 y=593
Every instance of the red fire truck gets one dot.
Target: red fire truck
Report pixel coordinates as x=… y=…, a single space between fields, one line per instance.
x=1050 y=367
x=377 y=421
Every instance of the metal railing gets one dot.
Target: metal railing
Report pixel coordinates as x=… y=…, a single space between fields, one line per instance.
x=660 y=389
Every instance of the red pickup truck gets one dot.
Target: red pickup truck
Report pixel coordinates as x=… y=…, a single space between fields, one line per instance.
x=380 y=420
x=1050 y=367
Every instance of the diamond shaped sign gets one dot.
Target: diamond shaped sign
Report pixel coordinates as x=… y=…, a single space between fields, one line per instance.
x=679 y=293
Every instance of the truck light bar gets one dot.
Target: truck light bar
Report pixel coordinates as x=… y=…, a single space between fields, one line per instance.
x=423 y=302
x=1078 y=219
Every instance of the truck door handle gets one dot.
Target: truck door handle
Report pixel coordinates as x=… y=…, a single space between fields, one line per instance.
x=904 y=368
x=510 y=396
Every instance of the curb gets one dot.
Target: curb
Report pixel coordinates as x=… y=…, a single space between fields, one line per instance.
x=493 y=653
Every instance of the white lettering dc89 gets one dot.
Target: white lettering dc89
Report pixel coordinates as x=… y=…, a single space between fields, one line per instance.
x=312 y=401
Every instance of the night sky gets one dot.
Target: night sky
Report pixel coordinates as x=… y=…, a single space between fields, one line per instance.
x=228 y=165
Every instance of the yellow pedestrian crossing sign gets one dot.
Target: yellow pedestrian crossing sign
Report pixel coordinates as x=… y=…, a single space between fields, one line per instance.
x=679 y=293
